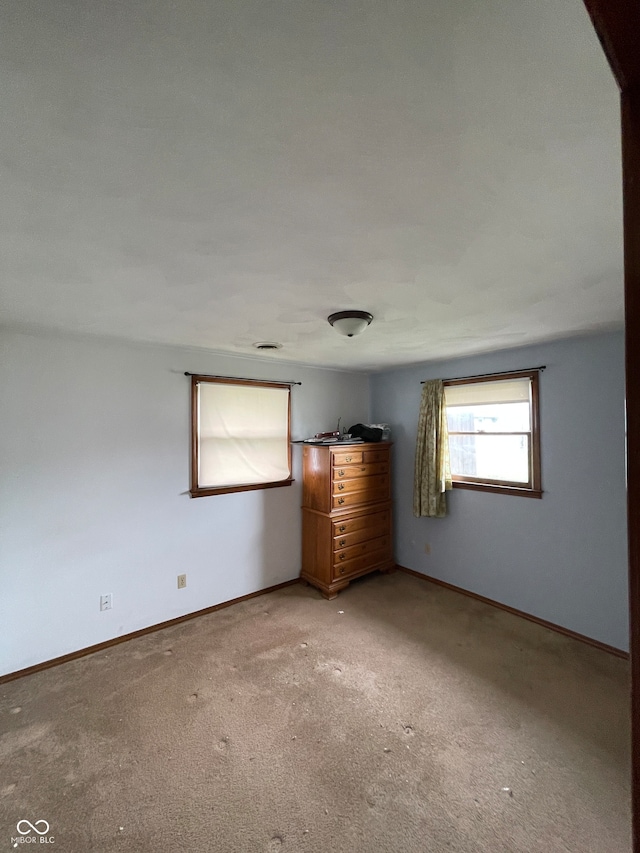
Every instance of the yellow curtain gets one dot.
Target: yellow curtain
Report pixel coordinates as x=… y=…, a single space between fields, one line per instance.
x=432 y=475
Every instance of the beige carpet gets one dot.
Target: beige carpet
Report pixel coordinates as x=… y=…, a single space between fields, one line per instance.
x=400 y=717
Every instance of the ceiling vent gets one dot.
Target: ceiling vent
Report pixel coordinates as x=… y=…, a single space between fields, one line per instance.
x=267 y=345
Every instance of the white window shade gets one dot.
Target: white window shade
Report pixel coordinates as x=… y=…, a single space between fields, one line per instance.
x=486 y=393
x=243 y=434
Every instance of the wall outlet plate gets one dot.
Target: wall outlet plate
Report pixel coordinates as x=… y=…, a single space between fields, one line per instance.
x=182 y=581
x=106 y=601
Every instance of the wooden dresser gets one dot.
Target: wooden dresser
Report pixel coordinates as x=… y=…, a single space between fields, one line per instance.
x=346 y=513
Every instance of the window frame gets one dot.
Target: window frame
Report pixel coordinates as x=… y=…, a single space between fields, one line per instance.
x=479 y=484
x=197 y=491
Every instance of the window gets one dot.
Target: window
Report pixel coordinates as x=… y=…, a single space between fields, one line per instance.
x=239 y=435
x=494 y=439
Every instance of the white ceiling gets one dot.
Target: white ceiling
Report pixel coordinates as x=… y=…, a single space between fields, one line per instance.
x=218 y=172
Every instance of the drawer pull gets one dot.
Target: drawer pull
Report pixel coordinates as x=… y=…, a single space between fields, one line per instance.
x=342 y=543
x=348 y=458
x=340 y=500
x=341 y=472
x=340 y=486
x=342 y=528
x=342 y=556
x=342 y=570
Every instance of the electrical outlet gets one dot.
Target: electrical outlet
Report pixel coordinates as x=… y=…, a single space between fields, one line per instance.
x=106 y=601
x=182 y=581
x=427 y=548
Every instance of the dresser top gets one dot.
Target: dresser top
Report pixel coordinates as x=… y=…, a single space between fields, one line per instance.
x=350 y=445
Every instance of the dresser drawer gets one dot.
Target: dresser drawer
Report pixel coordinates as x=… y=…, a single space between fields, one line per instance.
x=348 y=472
x=344 y=568
x=378 y=525
x=366 y=496
x=374 y=520
x=344 y=457
x=361 y=484
x=369 y=546
x=381 y=455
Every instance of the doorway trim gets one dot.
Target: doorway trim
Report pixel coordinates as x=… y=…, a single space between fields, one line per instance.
x=617 y=24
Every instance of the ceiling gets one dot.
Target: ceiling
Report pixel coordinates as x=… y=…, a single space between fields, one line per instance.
x=214 y=173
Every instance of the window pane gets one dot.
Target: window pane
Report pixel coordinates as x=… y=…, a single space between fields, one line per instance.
x=243 y=435
x=492 y=457
x=499 y=417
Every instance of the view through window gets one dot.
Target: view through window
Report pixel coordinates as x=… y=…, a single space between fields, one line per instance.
x=493 y=432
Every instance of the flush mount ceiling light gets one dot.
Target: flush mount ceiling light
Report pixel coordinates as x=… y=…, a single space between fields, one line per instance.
x=350 y=323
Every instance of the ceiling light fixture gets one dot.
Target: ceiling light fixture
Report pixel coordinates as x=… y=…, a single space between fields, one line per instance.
x=350 y=323
x=267 y=345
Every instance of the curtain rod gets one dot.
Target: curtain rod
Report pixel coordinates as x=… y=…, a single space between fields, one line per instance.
x=243 y=378
x=498 y=373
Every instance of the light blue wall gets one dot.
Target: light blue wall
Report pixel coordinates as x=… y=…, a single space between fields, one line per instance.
x=93 y=498
x=94 y=454
x=562 y=558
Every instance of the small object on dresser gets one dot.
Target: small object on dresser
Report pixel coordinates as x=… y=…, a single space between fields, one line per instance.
x=365 y=432
x=386 y=430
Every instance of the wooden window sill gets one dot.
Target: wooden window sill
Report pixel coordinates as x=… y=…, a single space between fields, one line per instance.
x=227 y=490
x=520 y=491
